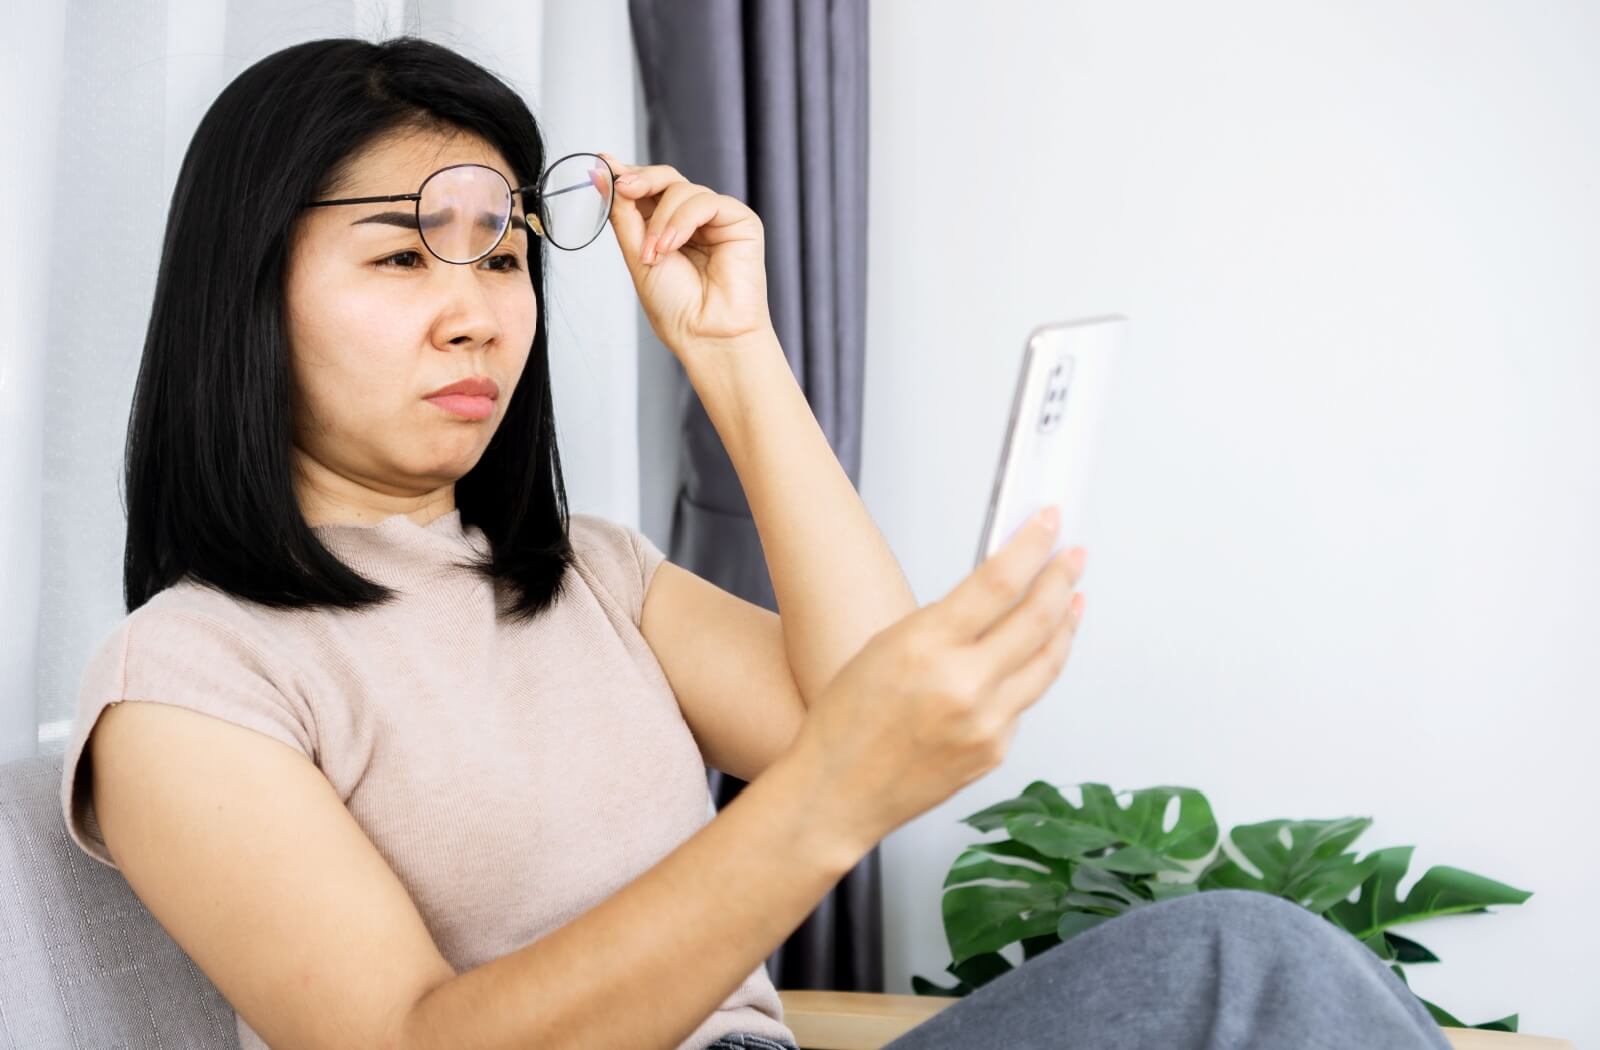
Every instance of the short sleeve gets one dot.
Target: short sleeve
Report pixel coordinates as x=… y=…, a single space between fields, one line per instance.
x=189 y=660
x=620 y=557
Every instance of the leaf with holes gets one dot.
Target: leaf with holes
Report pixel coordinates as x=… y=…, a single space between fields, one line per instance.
x=1135 y=835
x=997 y=860
x=982 y=918
x=1442 y=891
x=1300 y=860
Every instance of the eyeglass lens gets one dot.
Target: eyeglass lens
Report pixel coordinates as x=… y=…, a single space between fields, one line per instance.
x=575 y=200
x=464 y=210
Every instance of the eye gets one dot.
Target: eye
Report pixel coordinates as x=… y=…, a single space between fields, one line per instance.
x=388 y=262
x=509 y=259
x=502 y=263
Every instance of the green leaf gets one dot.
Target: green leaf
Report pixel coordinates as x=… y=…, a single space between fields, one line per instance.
x=980 y=969
x=1312 y=869
x=1075 y=922
x=1445 y=1018
x=1135 y=860
x=1037 y=797
x=1058 y=836
x=1407 y=950
x=1441 y=1015
x=1066 y=869
x=979 y=862
x=923 y=986
x=984 y=918
x=1442 y=891
x=1381 y=947
x=1105 y=887
x=1163 y=891
x=1045 y=820
x=1032 y=946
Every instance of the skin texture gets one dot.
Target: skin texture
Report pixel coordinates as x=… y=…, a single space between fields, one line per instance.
x=375 y=323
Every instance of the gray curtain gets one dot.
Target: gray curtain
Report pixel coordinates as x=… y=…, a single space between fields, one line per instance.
x=766 y=100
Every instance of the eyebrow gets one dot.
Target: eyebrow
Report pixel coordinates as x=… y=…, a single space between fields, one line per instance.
x=408 y=219
x=392 y=218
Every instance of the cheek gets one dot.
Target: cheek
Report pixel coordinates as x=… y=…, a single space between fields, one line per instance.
x=349 y=366
x=520 y=312
x=518 y=319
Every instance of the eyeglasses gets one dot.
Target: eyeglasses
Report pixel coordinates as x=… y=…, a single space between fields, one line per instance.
x=463 y=211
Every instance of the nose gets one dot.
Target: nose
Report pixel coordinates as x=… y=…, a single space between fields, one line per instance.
x=466 y=313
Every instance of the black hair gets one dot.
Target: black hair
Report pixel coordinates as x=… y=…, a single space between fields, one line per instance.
x=208 y=464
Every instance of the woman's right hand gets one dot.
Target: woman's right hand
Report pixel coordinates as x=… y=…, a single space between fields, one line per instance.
x=931 y=702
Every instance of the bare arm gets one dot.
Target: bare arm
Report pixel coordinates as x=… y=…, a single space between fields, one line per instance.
x=819 y=541
x=243 y=852
x=645 y=967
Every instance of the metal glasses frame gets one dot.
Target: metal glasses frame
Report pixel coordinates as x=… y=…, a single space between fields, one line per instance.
x=533 y=220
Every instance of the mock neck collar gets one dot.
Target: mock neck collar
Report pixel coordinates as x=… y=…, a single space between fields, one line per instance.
x=398 y=548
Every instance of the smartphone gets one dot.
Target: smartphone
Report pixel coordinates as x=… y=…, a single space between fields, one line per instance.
x=1061 y=393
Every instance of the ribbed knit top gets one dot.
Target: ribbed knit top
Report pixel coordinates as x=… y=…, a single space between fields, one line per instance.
x=512 y=775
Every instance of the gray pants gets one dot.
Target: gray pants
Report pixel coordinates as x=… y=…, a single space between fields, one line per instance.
x=1219 y=970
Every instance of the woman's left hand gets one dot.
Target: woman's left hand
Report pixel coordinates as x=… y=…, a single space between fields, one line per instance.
x=697 y=257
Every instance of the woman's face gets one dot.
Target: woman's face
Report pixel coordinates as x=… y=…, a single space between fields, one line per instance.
x=376 y=323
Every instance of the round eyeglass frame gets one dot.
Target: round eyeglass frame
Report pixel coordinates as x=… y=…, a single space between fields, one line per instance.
x=534 y=222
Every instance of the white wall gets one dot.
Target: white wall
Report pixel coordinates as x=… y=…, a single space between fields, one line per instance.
x=1341 y=544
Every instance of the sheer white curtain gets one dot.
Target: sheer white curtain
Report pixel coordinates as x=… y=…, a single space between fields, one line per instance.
x=100 y=101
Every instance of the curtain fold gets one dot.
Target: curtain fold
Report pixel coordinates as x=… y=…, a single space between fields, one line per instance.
x=766 y=100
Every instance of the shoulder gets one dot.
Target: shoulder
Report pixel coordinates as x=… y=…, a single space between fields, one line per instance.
x=213 y=622
x=619 y=558
x=194 y=646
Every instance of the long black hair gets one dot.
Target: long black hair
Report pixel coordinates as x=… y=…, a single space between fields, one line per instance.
x=209 y=488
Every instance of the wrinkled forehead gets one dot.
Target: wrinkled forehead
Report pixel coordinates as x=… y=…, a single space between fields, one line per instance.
x=454 y=200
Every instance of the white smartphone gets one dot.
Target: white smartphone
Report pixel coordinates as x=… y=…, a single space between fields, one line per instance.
x=1061 y=393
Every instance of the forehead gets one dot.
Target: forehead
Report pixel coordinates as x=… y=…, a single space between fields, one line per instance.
x=398 y=163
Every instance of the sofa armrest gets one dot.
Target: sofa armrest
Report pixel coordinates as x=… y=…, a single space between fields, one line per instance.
x=868 y=1020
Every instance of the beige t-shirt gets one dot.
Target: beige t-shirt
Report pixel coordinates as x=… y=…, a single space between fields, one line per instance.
x=513 y=776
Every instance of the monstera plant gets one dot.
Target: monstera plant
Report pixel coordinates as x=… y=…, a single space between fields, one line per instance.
x=1064 y=869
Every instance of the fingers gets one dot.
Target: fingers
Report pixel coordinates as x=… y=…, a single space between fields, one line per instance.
x=656 y=210
x=991 y=589
x=628 y=224
x=1021 y=632
x=634 y=204
x=683 y=207
x=1028 y=682
x=648 y=179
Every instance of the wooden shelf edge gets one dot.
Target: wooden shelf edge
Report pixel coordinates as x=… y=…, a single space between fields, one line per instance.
x=869 y=1020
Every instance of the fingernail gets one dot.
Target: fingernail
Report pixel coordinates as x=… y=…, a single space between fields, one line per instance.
x=1050 y=517
x=668 y=239
x=649 y=249
x=1077 y=558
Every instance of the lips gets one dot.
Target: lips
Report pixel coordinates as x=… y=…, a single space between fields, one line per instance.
x=474 y=386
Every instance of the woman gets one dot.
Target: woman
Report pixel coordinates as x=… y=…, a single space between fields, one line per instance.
x=419 y=758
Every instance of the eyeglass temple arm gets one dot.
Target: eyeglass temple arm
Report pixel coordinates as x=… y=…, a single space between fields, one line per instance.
x=368 y=200
x=533 y=220
x=556 y=193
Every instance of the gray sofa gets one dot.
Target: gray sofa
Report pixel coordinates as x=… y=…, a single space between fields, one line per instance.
x=85 y=965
